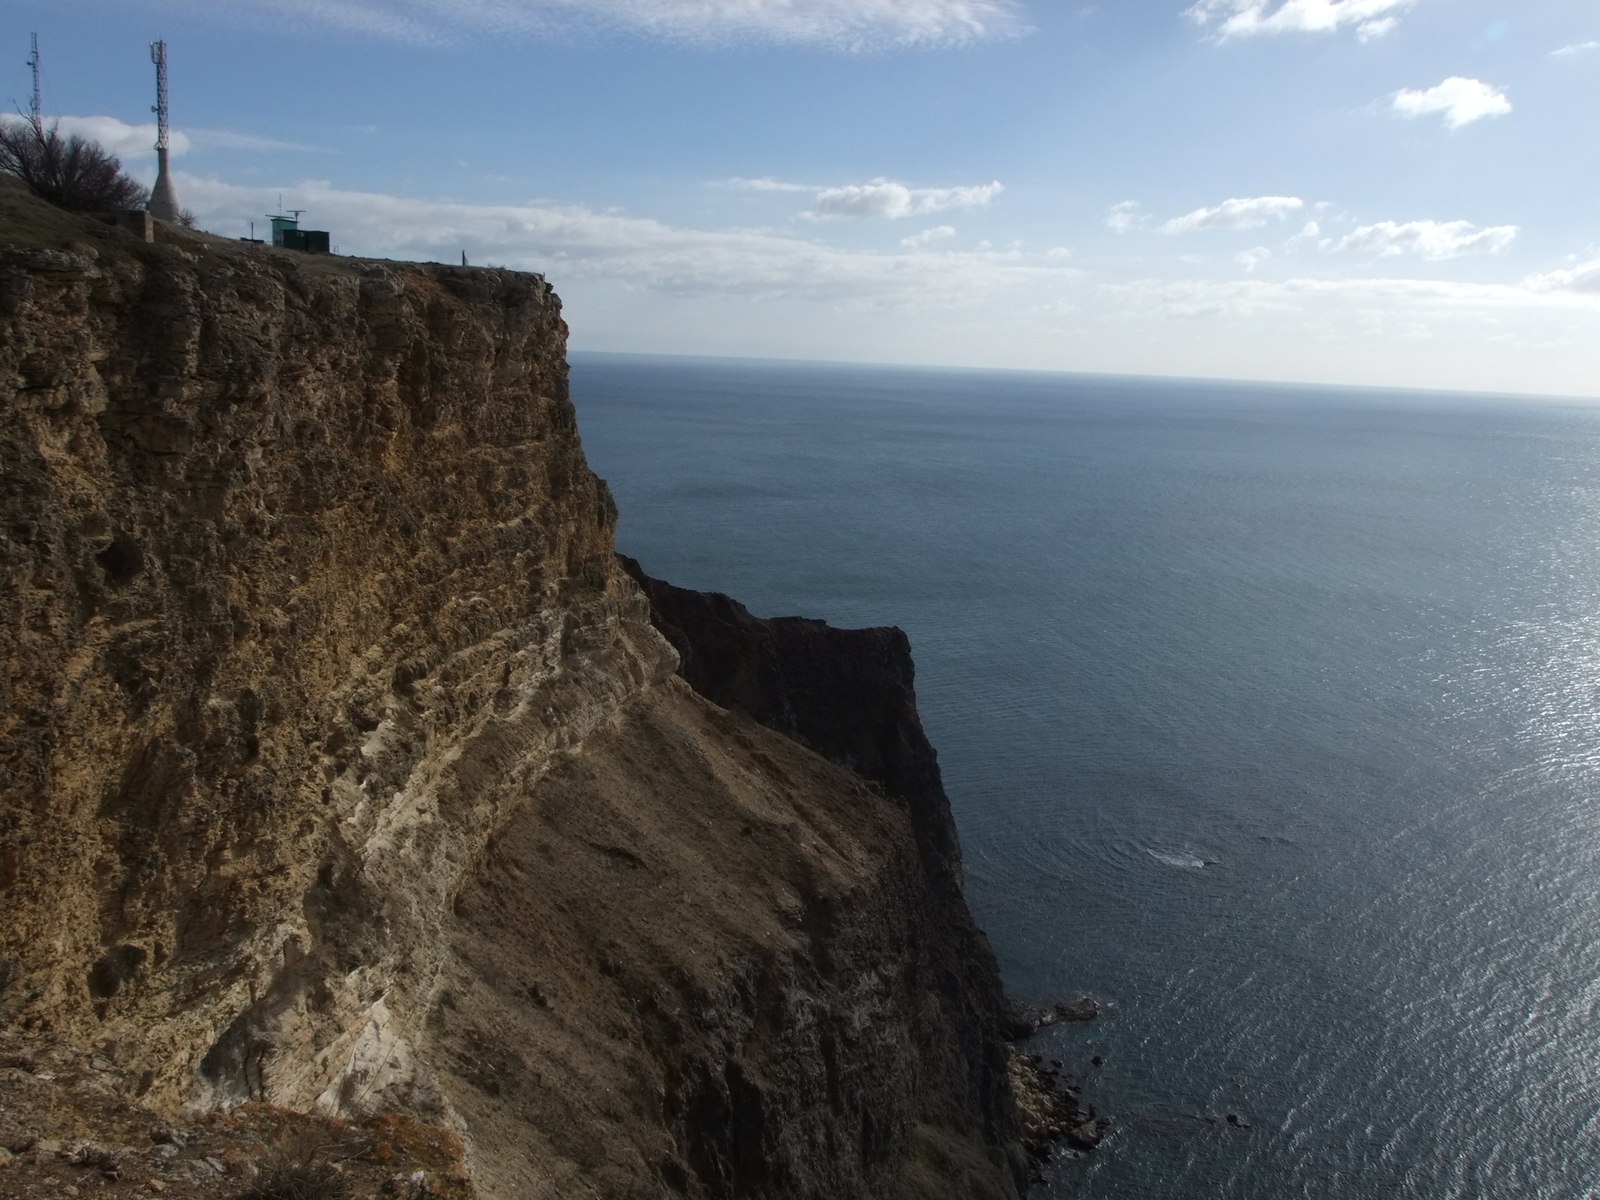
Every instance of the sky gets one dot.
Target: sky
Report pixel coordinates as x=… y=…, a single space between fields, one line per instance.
x=1372 y=192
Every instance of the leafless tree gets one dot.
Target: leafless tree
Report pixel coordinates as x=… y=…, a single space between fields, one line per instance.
x=75 y=174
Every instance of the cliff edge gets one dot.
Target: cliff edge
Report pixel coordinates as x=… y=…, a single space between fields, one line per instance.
x=345 y=770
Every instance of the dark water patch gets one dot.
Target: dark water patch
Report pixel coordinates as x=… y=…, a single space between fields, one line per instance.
x=1340 y=649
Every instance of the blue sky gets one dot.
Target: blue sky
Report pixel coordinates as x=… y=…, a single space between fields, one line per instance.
x=1400 y=192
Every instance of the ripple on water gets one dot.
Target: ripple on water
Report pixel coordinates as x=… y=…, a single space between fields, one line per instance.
x=1346 y=645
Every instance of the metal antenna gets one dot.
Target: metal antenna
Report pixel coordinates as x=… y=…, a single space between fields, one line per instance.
x=34 y=109
x=158 y=55
x=163 y=196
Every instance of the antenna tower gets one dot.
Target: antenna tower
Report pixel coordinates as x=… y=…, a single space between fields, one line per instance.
x=158 y=55
x=34 y=109
x=163 y=197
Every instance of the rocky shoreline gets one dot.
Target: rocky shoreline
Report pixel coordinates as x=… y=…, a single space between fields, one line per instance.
x=1051 y=1104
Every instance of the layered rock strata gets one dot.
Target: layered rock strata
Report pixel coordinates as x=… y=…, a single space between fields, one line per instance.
x=344 y=771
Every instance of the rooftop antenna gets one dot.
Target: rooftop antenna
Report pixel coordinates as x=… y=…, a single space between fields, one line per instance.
x=163 y=197
x=35 y=115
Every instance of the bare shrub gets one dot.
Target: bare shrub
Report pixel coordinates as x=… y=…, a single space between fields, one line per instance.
x=75 y=174
x=298 y=1169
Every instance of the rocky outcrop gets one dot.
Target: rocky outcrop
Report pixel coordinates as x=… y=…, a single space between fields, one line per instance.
x=848 y=694
x=344 y=771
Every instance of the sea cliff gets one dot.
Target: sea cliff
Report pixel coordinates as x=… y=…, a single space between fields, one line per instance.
x=346 y=770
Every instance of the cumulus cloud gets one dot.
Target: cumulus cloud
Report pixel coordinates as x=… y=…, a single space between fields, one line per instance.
x=124 y=140
x=885 y=198
x=1250 y=213
x=1120 y=218
x=1434 y=240
x=574 y=243
x=1584 y=278
x=1461 y=100
x=1248 y=18
x=846 y=24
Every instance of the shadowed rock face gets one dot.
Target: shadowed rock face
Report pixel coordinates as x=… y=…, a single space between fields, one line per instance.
x=342 y=767
x=845 y=693
x=848 y=695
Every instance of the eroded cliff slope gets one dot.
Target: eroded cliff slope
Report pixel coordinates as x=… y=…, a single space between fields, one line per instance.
x=344 y=770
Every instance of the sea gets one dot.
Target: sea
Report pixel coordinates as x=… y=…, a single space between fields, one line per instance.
x=1270 y=716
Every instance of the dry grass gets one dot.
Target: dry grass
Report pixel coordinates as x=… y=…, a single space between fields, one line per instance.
x=298 y=1168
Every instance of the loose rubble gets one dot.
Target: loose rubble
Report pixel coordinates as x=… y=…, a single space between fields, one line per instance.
x=71 y=1124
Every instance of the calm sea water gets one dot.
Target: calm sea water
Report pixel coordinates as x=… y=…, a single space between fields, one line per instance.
x=1270 y=716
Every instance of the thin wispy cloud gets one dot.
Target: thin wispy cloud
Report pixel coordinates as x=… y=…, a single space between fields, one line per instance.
x=1253 y=258
x=1413 y=299
x=1250 y=18
x=135 y=142
x=1432 y=240
x=575 y=243
x=1459 y=100
x=1251 y=213
x=842 y=24
x=888 y=199
x=1120 y=218
x=768 y=184
x=927 y=237
x=227 y=139
x=1575 y=49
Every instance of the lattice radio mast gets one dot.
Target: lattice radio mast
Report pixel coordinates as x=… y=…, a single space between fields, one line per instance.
x=163 y=197
x=35 y=109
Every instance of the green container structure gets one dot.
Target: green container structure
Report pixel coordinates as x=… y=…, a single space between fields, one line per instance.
x=286 y=232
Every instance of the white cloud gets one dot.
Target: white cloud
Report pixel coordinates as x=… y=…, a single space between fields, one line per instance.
x=226 y=139
x=1120 y=218
x=768 y=184
x=139 y=141
x=847 y=24
x=1575 y=49
x=1249 y=213
x=1251 y=259
x=573 y=243
x=1309 y=233
x=1409 y=298
x=124 y=140
x=1461 y=100
x=1583 y=278
x=1433 y=240
x=885 y=198
x=1247 y=18
x=938 y=233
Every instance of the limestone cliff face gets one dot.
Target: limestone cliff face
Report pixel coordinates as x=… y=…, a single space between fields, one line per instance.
x=343 y=768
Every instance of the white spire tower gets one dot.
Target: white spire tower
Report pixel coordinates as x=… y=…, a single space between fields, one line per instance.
x=163 y=197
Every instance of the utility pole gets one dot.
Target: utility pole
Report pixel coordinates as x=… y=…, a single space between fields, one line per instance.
x=163 y=197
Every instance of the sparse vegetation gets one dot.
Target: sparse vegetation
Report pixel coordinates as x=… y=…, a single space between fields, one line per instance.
x=298 y=1169
x=70 y=172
